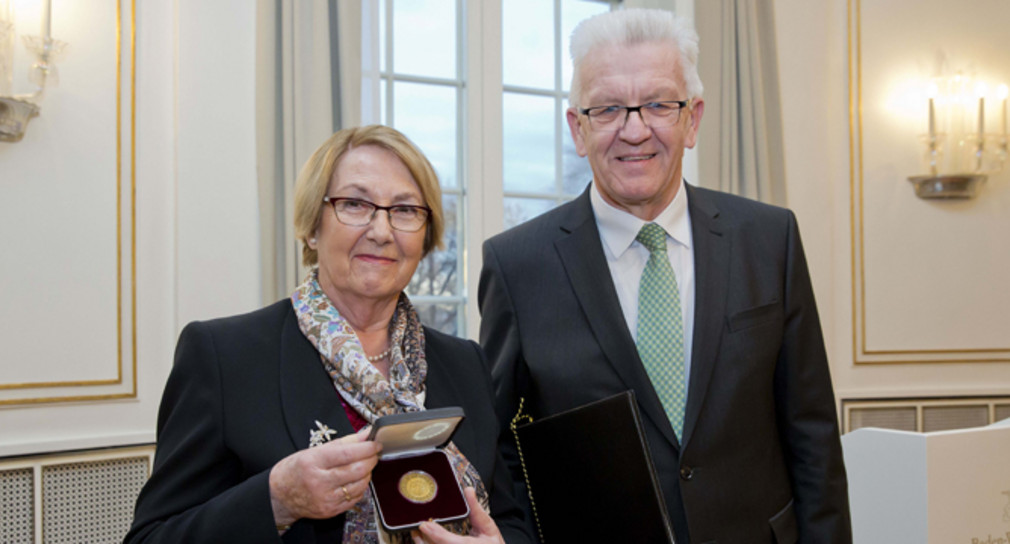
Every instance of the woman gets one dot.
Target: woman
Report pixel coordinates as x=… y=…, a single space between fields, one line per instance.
x=261 y=432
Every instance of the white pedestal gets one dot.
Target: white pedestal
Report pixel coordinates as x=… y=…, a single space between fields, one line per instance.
x=929 y=488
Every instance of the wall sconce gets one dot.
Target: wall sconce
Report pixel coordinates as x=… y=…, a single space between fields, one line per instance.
x=17 y=110
x=960 y=154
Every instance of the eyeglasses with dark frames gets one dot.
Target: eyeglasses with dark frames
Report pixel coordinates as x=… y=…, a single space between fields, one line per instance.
x=355 y=212
x=660 y=114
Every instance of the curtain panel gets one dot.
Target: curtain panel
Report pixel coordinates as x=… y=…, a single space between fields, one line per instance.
x=740 y=145
x=308 y=85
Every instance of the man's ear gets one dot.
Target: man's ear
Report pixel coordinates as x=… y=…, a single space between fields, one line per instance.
x=575 y=127
x=697 y=108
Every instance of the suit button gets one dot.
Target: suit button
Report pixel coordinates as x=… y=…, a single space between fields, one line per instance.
x=686 y=473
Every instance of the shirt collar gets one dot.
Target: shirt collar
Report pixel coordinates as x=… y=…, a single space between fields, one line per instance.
x=619 y=228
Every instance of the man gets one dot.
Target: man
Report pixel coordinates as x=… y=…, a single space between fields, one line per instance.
x=753 y=452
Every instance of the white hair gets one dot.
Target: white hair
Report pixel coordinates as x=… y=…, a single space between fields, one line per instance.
x=631 y=27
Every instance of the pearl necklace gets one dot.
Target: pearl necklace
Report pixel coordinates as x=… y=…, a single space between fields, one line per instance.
x=381 y=356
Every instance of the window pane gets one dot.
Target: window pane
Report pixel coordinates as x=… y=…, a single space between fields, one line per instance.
x=383 y=86
x=573 y=11
x=424 y=38
x=427 y=115
x=577 y=171
x=528 y=145
x=518 y=210
x=382 y=35
x=443 y=317
x=528 y=43
x=438 y=274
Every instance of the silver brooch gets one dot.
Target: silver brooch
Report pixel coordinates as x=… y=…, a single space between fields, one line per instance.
x=321 y=435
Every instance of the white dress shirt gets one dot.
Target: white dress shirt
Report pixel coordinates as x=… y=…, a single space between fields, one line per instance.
x=627 y=257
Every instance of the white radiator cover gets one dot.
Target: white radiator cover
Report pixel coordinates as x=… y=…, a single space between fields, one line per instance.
x=71 y=498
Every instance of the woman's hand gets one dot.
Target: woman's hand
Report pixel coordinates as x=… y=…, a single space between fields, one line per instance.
x=483 y=528
x=324 y=481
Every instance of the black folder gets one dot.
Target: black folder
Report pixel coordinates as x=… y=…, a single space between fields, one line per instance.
x=590 y=475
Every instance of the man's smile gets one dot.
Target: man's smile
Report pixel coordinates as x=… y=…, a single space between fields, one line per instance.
x=632 y=158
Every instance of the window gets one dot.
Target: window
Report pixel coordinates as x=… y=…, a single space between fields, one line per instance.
x=541 y=168
x=476 y=84
x=421 y=88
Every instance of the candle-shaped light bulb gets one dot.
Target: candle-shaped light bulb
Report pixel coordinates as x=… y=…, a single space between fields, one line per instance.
x=980 y=93
x=932 y=92
x=1003 y=91
x=47 y=19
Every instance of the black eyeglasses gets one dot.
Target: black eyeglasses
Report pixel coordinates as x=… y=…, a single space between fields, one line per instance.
x=355 y=212
x=654 y=114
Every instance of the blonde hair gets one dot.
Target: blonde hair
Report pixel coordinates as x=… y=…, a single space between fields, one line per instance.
x=314 y=180
x=632 y=27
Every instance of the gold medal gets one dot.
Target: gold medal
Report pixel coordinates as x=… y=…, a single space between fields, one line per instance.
x=418 y=487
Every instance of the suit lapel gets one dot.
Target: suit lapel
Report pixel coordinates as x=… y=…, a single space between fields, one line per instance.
x=307 y=392
x=439 y=383
x=711 y=272
x=581 y=253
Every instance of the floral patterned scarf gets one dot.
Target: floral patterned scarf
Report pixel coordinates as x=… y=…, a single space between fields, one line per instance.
x=366 y=390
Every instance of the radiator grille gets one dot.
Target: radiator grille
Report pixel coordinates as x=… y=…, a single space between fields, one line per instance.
x=17 y=506
x=925 y=414
x=900 y=418
x=1002 y=412
x=945 y=418
x=90 y=501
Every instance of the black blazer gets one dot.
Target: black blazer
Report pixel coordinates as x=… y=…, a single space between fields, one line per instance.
x=761 y=457
x=245 y=391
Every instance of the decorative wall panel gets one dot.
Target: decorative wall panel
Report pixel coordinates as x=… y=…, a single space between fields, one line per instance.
x=928 y=276
x=68 y=217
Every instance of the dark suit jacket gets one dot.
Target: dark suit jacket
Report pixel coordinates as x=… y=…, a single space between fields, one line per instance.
x=761 y=457
x=245 y=391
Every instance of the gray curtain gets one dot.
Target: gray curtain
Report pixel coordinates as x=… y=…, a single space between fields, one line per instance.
x=308 y=86
x=741 y=145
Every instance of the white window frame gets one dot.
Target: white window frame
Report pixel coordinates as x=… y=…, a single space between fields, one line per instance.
x=468 y=121
x=483 y=149
x=479 y=128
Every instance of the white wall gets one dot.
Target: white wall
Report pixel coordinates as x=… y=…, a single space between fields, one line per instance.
x=215 y=137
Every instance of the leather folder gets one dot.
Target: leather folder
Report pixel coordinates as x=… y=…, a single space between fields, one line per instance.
x=590 y=475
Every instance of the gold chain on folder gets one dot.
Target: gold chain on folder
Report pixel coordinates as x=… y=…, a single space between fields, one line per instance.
x=520 y=417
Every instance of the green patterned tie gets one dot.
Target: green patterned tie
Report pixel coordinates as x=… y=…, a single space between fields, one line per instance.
x=660 y=337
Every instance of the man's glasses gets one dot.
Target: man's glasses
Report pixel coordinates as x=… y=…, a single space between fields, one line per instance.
x=653 y=114
x=355 y=212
